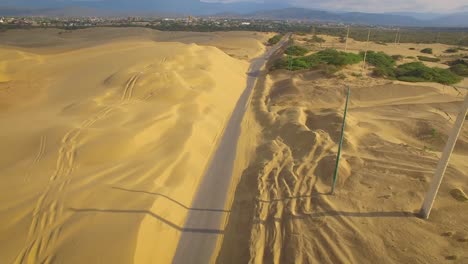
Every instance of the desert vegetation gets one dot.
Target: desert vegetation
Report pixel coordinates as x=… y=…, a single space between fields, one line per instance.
x=385 y=66
x=418 y=72
x=383 y=63
x=459 y=67
x=317 y=39
x=330 y=57
x=274 y=40
x=296 y=50
x=427 y=51
x=429 y=59
x=451 y=50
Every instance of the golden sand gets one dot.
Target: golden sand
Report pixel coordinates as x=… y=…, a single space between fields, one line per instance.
x=395 y=133
x=104 y=139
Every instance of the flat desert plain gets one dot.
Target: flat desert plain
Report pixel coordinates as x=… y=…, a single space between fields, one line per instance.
x=394 y=137
x=105 y=134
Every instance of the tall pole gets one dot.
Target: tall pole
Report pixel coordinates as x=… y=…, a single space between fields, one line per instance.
x=346 y=43
x=367 y=48
x=335 y=175
x=396 y=36
x=443 y=162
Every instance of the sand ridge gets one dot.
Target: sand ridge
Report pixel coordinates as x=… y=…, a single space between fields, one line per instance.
x=110 y=141
x=395 y=132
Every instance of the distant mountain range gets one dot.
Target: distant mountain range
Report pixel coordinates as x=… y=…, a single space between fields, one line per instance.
x=386 y=19
x=272 y=10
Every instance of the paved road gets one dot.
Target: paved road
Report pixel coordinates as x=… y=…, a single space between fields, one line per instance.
x=202 y=227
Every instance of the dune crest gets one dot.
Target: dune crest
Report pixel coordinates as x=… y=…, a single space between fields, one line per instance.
x=110 y=142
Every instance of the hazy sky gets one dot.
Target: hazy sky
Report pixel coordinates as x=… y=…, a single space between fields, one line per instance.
x=379 y=6
x=436 y=6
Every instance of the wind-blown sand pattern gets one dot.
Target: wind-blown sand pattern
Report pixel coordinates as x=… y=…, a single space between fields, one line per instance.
x=104 y=142
x=282 y=212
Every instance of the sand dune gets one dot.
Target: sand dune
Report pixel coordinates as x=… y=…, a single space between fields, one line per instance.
x=282 y=212
x=104 y=143
x=239 y=44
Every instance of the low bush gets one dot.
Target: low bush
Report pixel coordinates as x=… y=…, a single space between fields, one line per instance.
x=317 y=39
x=429 y=59
x=325 y=57
x=460 y=67
x=412 y=48
x=274 y=40
x=384 y=64
x=418 y=72
x=451 y=50
x=427 y=51
x=296 y=51
x=337 y=58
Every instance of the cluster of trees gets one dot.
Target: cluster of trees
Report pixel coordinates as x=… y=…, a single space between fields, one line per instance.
x=330 y=57
x=459 y=67
x=296 y=51
x=274 y=40
x=384 y=65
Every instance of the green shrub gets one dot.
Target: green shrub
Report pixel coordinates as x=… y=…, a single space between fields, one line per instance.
x=296 y=51
x=427 y=51
x=418 y=72
x=274 y=40
x=379 y=59
x=430 y=59
x=384 y=64
x=325 y=57
x=451 y=50
x=337 y=58
x=460 y=69
x=317 y=39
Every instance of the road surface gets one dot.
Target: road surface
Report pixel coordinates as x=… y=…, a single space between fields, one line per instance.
x=205 y=218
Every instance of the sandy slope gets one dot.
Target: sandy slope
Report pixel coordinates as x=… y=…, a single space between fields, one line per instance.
x=103 y=145
x=395 y=132
x=239 y=44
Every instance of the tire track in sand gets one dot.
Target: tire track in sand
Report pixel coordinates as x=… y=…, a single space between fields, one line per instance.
x=42 y=147
x=45 y=225
x=44 y=230
x=130 y=86
x=47 y=216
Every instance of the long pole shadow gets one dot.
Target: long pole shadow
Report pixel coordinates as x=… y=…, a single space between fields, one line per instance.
x=392 y=214
x=157 y=217
x=172 y=200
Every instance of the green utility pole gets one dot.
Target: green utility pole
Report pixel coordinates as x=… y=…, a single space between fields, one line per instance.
x=290 y=63
x=335 y=175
